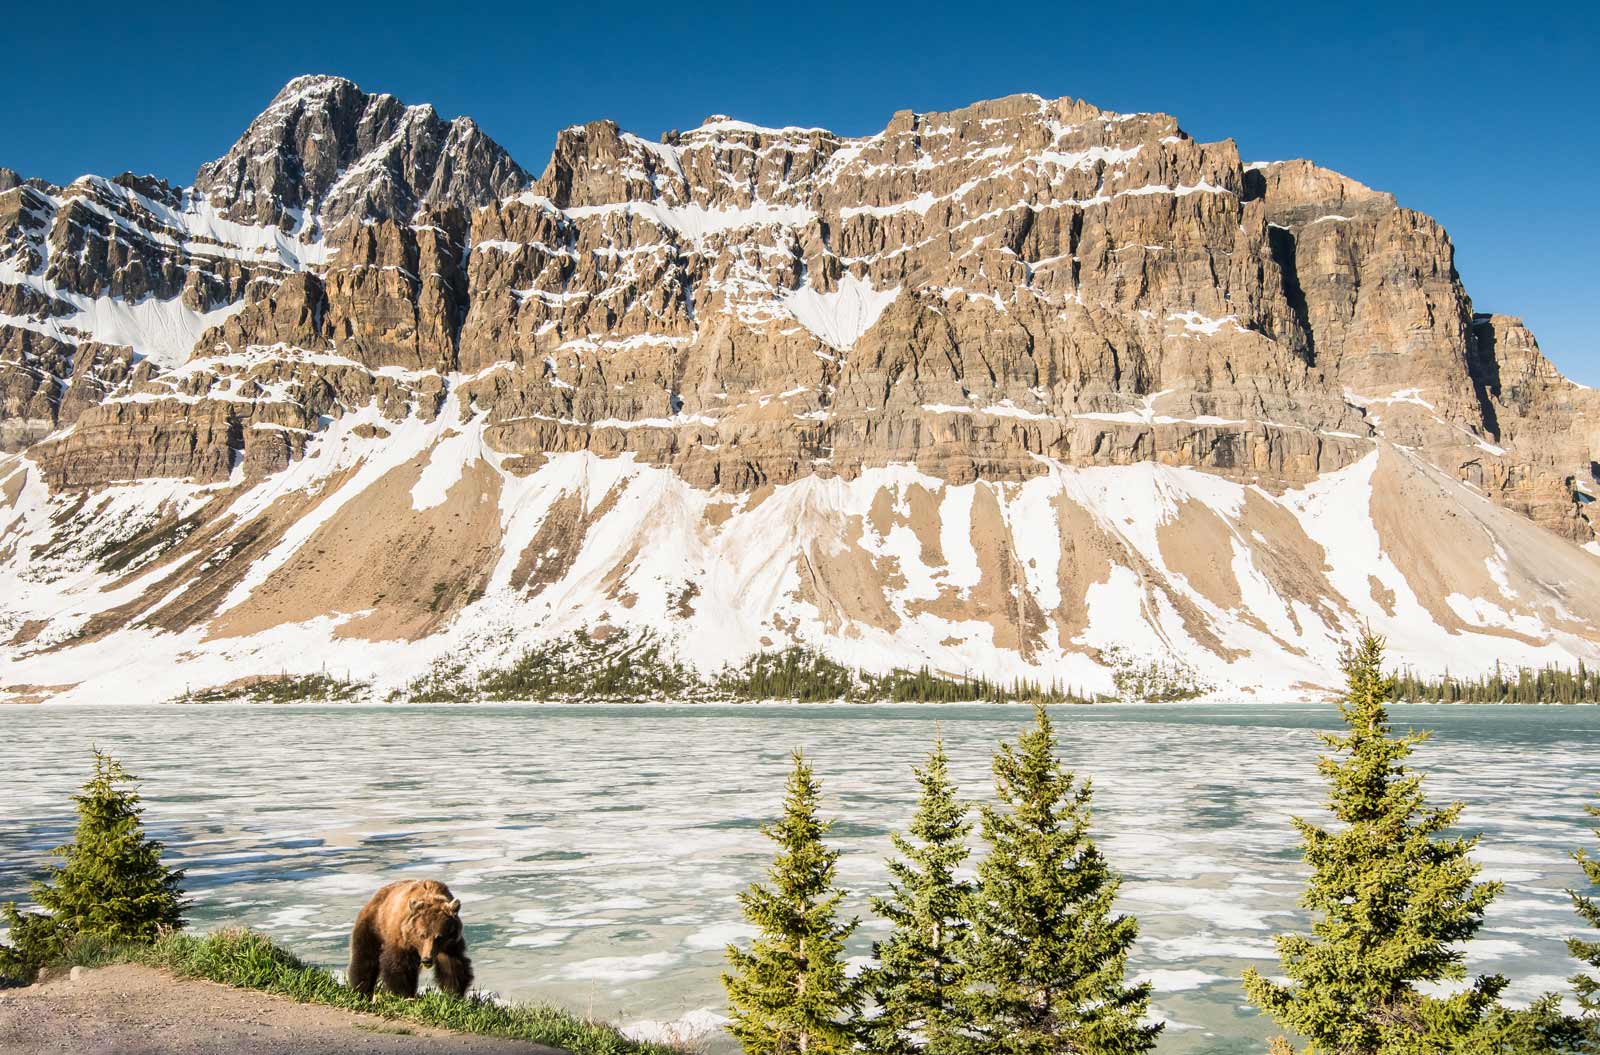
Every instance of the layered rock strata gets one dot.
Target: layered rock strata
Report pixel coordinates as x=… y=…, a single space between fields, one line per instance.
x=984 y=298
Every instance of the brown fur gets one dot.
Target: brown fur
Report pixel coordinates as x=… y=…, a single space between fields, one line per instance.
x=406 y=927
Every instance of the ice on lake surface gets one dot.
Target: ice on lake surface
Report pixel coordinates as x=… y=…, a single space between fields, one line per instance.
x=599 y=849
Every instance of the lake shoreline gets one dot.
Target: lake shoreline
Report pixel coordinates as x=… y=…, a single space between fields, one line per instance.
x=599 y=849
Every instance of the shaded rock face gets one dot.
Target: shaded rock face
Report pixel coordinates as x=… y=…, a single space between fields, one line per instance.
x=1548 y=427
x=980 y=294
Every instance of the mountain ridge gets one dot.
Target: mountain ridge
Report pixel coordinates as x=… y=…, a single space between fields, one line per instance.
x=960 y=310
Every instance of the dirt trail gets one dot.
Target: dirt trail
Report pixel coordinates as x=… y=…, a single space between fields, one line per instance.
x=131 y=1010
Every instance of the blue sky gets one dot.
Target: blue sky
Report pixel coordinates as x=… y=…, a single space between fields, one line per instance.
x=1480 y=115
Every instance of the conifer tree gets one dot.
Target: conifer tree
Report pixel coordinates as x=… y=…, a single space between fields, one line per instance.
x=1584 y=984
x=1046 y=957
x=918 y=978
x=790 y=992
x=1393 y=899
x=1541 y=1028
x=112 y=884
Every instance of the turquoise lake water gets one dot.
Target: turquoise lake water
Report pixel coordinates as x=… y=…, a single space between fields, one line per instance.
x=599 y=849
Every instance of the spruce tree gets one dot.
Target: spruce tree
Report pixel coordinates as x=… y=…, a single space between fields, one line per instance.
x=111 y=886
x=1542 y=1028
x=790 y=992
x=918 y=978
x=1584 y=984
x=1046 y=957
x=1392 y=897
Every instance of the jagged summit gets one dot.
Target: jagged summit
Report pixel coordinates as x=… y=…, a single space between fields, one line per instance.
x=324 y=151
x=1022 y=387
x=312 y=84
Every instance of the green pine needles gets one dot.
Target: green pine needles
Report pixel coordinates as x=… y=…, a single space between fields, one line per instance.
x=1046 y=955
x=1547 y=684
x=1028 y=960
x=112 y=885
x=1393 y=898
x=1586 y=986
x=790 y=992
x=919 y=977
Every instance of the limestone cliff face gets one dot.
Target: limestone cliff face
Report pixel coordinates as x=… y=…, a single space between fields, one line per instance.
x=990 y=296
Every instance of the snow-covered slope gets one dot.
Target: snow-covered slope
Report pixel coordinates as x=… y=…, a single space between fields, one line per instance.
x=1029 y=389
x=377 y=555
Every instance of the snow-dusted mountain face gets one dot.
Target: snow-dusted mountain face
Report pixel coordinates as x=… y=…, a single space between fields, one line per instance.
x=1029 y=388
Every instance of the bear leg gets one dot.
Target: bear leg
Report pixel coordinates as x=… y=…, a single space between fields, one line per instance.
x=399 y=968
x=365 y=949
x=453 y=970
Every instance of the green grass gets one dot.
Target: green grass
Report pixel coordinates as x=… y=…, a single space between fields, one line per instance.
x=247 y=960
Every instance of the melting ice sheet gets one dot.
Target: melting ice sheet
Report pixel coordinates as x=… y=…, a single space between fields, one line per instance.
x=599 y=850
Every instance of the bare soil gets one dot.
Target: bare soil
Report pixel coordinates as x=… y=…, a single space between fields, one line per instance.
x=133 y=1010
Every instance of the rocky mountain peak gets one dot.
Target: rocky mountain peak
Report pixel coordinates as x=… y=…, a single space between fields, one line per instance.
x=313 y=84
x=153 y=187
x=324 y=151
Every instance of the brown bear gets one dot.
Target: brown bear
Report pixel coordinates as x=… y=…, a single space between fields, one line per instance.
x=405 y=927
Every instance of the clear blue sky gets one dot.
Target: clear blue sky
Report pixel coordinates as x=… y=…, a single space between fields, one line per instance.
x=1482 y=115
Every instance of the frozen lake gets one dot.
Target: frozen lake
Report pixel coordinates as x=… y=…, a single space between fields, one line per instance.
x=599 y=849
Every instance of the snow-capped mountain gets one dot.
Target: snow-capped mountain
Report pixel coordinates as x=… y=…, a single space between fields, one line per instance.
x=1028 y=388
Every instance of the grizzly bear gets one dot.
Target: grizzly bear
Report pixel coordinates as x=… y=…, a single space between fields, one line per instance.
x=405 y=927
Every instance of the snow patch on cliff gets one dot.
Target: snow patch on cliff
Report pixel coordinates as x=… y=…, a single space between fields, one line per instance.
x=163 y=331
x=841 y=317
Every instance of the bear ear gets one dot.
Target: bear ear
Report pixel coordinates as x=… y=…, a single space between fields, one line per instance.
x=415 y=904
x=454 y=906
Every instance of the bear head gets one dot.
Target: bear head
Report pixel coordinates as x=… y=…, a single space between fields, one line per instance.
x=431 y=926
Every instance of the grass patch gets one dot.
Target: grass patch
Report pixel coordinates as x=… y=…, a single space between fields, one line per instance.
x=247 y=960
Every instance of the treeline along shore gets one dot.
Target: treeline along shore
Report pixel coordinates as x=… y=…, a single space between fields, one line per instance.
x=624 y=667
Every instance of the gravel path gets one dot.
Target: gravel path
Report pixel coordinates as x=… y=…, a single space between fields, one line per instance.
x=132 y=1010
